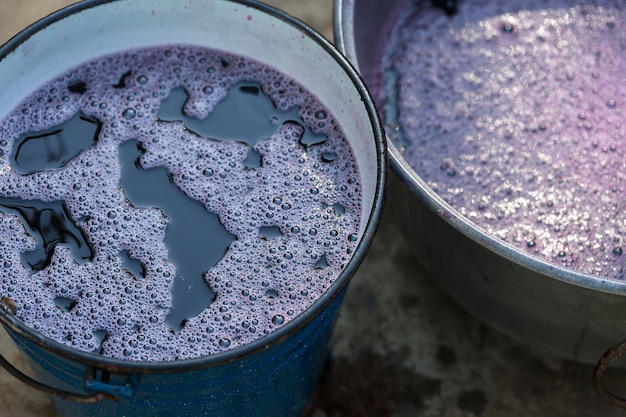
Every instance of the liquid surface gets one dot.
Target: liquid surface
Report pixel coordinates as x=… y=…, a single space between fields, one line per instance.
x=171 y=203
x=512 y=112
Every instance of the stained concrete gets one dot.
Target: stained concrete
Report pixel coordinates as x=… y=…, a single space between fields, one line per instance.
x=401 y=348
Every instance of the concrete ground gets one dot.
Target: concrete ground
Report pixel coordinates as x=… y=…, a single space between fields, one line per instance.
x=402 y=348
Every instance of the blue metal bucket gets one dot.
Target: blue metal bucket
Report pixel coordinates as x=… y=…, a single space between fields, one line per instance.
x=276 y=374
x=277 y=378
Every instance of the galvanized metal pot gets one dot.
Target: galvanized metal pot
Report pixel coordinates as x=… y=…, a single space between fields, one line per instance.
x=558 y=311
x=275 y=375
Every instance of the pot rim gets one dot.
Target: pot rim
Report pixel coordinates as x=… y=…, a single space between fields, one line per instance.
x=263 y=343
x=343 y=11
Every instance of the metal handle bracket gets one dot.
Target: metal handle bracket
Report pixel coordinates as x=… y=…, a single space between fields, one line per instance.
x=99 y=382
x=82 y=398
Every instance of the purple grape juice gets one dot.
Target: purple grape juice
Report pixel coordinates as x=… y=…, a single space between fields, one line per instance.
x=512 y=112
x=172 y=202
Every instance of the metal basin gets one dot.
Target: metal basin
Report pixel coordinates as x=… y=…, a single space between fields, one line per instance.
x=555 y=310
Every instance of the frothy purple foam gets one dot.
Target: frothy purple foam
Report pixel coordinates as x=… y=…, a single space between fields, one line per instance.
x=512 y=113
x=261 y=283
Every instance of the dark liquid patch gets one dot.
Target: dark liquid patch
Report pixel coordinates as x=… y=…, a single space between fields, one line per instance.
x=322 y=263
x=53 y=148
x=133 y=266
x=101 y=336
x=269 y=232
x=253 y=159
x=329 y=156
x=64 y=303
x=78 y=87
x=309 y=138
x=271 y=293
x=50 y=223
x=246 y=115
x=195 y=238
x=122 y=81
x=339 y=209
x=448 y=6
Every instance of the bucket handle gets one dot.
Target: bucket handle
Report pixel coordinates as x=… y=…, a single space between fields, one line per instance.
x=82 y=398
x=603 y=363
x=7 y=306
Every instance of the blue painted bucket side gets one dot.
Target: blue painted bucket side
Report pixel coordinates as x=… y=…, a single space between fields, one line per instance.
x=277 y=381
